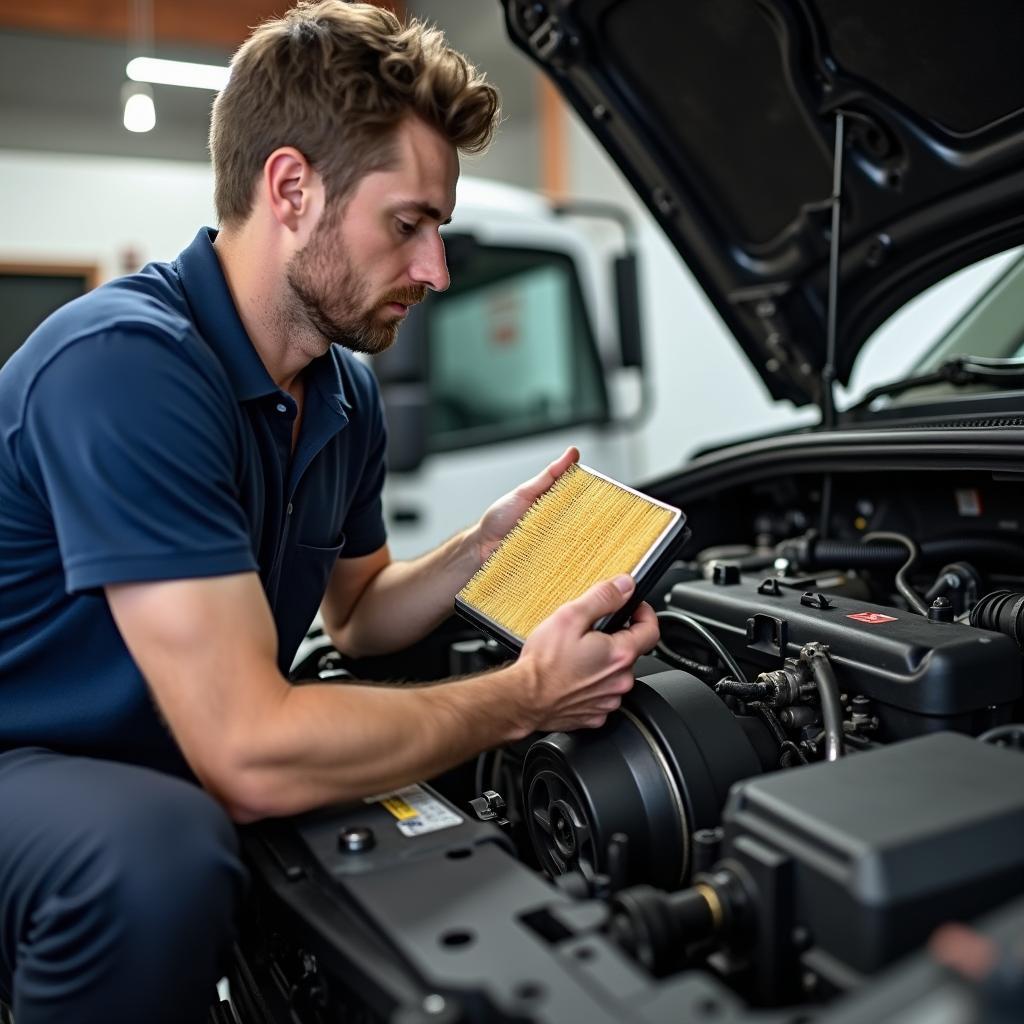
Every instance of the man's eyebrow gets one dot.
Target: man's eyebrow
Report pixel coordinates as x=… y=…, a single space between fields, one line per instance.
x=425 y=208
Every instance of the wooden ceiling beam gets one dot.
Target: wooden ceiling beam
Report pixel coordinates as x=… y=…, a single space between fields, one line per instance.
x=222 y=24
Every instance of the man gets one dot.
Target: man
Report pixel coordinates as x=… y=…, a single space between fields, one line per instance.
x=190 y=460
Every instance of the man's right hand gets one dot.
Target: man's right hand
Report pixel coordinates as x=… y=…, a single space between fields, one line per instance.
x=575 y=676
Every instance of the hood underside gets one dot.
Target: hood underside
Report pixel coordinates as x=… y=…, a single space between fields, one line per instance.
x=722 y=115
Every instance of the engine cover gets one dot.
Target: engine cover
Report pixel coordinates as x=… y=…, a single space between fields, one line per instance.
x=867 y=855
x=924 y=676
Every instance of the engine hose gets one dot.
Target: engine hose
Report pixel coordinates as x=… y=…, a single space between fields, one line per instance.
x=707 y=673
x=818 y=553
x=707 y=636
x=831 y=706
x=910 y=595
x=756 y=690
x=853 y=555
x=1002 y=611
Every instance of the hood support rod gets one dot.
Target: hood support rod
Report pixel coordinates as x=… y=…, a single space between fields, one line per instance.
x=828 y=373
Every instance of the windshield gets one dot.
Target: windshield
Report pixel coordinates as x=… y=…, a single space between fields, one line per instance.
x=992 y=327
x=978 y=311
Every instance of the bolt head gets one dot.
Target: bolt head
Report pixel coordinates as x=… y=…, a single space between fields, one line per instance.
x=356 y=839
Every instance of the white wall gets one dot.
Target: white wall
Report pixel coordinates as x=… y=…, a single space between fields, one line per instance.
x=120 y=213
x=114 y=212
x=513 y=157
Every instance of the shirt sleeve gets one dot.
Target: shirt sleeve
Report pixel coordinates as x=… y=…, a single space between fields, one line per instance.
x=134 y=443
x=364 y=522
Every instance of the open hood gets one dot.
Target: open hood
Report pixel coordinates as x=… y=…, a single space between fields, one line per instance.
x=722 y=115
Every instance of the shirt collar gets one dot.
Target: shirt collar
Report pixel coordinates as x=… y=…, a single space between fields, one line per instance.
x=209 y=298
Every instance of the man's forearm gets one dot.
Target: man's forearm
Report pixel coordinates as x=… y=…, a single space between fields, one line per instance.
x=406 y=600
x=329 y=743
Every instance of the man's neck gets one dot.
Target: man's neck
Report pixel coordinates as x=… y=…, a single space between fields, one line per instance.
x=258 y=288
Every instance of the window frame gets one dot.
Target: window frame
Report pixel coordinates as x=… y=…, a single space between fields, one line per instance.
x=87 y=273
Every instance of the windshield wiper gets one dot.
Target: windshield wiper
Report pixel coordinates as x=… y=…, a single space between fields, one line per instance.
x=958 y=371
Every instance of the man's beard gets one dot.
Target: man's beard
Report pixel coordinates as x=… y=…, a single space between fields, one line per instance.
x=335 y=297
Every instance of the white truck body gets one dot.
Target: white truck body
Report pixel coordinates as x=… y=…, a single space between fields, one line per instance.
x=451 y=487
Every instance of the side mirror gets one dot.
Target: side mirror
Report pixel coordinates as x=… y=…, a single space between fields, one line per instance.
x=627 y=295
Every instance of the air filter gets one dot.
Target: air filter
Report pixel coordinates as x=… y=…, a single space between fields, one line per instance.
x=585 y=528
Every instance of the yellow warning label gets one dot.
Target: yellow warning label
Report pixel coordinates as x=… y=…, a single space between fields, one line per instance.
x=399 y=808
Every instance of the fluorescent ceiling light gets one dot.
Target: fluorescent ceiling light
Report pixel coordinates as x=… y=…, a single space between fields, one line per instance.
x=177 y=72
x=139 y=112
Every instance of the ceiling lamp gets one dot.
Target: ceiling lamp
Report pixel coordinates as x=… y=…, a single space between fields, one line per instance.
x=178 y=72
x=137 y=97
x=139 y=111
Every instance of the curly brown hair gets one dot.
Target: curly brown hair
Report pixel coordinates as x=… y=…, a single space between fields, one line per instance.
x=334 y=80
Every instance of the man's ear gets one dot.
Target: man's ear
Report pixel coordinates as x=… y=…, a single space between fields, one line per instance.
x=294 y=190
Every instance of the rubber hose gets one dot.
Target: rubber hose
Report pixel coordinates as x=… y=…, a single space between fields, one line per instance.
x=706 y=673
x=744 y=690
x=825 y=554
x=707 y=636
x=854 y=555
x=908 y=593
x=831 y=707
x=1002 y=611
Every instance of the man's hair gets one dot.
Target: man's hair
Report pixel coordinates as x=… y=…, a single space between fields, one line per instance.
x=334 y=80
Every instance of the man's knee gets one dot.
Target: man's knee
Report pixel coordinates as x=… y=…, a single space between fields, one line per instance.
x=129 y=895
x=169 y=857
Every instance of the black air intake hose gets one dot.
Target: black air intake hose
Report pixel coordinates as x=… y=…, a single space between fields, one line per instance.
x=1002 y=611
x=812 y=553
x=816 y=553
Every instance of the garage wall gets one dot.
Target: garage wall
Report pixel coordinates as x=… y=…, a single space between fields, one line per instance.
x=114 y=212
x=120 y=212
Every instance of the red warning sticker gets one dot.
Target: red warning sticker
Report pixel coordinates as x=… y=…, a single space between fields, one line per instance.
x=872 y=617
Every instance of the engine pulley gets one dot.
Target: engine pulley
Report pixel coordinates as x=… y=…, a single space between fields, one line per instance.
x=658 y=770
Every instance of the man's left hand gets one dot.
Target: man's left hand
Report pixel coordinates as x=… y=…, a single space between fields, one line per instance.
x=507 y=511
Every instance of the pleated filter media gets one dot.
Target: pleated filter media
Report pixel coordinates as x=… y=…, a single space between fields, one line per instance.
x=583 y=529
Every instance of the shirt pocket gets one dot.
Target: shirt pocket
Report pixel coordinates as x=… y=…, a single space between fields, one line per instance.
x=312 y=568
x=302 y=589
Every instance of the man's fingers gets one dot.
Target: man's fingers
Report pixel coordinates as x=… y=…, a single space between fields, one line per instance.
x=644 y=628
x=601 y=599
x=569 y=457
x=543 y=480
x=615 y=686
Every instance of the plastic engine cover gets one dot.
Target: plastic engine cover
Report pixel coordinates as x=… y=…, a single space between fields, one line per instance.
x=877 y=849
x=925 y=676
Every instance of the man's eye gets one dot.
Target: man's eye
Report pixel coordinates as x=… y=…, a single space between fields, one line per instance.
x=405 y=228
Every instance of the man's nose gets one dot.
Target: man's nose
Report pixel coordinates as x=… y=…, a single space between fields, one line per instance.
x=429 y=266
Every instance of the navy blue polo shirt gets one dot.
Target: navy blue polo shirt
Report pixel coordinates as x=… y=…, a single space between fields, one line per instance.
x=141 y=438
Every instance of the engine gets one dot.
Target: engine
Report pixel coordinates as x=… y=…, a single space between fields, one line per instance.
x=794 y=794
x=817 y=768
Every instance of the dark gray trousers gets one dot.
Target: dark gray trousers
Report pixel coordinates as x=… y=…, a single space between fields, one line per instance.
x=118 y=890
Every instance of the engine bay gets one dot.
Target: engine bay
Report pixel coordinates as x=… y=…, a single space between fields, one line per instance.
x=816 y=771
